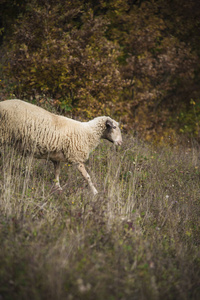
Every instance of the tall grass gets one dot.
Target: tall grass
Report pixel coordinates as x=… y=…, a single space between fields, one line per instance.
x=139 y=238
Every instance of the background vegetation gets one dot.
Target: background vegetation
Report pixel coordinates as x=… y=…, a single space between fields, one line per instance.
x=137 y=60
x=139 y=238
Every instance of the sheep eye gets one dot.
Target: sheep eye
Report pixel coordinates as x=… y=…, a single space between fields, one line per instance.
x=114 y=127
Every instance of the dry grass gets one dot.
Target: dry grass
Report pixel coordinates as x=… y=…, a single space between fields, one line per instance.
x=139 y=238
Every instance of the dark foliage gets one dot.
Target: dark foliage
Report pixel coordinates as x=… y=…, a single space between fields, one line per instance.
x=138 y=60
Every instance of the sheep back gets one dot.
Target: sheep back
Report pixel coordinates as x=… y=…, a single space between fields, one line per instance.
x=46 y=135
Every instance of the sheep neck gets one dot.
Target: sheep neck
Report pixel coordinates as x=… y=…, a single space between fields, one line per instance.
x=96 y=128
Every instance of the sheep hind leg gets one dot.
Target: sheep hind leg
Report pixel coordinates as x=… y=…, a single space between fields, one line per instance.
x=57 y=174
x=83 y=171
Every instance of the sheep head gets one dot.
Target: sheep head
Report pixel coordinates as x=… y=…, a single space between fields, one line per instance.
x=112 y=132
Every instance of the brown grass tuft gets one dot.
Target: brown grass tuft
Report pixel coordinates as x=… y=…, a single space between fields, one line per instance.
x=139 y=238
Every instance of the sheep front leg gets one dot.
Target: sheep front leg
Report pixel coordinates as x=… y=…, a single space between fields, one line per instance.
x=57 y=174
x=83 y=171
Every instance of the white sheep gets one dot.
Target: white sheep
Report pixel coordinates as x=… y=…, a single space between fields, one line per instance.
x=32 y=129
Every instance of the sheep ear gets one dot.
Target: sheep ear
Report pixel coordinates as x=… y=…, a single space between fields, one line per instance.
x=109 y=124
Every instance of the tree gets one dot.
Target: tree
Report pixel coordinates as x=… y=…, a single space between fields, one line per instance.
x=60 y=51
x=135 y=59
x=158 y=61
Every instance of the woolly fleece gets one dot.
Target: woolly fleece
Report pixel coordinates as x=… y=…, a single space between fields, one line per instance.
x=46 y=135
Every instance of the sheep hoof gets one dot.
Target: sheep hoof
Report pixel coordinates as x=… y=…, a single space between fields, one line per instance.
x=95 y=192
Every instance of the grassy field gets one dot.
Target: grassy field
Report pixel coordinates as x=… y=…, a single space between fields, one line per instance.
x=139 y=238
